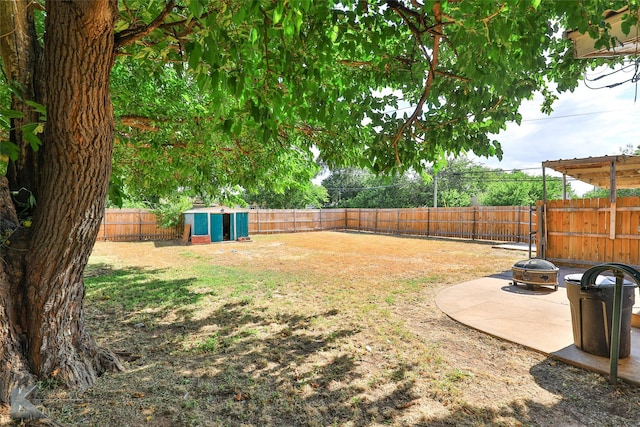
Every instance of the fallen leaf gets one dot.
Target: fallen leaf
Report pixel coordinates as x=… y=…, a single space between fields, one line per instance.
x=137 y=394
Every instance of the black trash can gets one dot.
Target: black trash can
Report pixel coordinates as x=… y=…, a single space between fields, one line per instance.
x=592 y=314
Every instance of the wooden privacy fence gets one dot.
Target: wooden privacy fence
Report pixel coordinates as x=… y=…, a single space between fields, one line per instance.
x=134 y=224
x=508 y=223
x=269 y=221
x=591 y=231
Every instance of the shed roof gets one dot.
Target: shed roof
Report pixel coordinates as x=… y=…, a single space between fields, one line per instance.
x=598 y=170
x=214 y=209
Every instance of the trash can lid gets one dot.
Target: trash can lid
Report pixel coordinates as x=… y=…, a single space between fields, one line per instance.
x=535 y=264
x=601 y=280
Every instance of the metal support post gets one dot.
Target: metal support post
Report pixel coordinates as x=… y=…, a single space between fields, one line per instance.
x=615 y=327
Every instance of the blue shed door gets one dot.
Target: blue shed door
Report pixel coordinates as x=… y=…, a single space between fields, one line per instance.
x=216 y=227
x=200 y=224
x=242 y=224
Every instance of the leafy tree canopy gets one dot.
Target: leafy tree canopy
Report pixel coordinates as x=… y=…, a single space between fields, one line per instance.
x=458 y=182
x=520 y=189
x=256 y=84
x=296 y=197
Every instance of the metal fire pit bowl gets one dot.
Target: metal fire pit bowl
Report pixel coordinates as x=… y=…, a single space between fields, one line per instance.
x=535 y=272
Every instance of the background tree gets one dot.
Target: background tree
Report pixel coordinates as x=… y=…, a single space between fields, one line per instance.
x=358 y=188
x=520 y=189
x=460 y=181
x=281 y=78
x=344 y=184
x=301 y=196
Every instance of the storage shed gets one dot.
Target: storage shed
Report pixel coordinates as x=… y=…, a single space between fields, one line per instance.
x=216 y=224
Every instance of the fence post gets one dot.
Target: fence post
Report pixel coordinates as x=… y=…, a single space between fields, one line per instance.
x=139 y=224
x=346 y=219
x=295 y=226
x=519 y=221
x=475 y=224
x=257 y=211
x=428 y=221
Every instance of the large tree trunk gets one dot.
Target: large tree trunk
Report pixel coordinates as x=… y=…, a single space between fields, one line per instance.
x=42 y=328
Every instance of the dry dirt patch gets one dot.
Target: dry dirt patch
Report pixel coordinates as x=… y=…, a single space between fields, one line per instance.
x=315 y=329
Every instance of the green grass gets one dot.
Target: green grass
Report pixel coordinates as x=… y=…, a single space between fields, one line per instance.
x=136 y=289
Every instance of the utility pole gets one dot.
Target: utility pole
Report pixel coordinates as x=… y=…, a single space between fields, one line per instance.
x=435 y=191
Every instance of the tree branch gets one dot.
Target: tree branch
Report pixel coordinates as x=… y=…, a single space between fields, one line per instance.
x=486 y=20
x=130 y=35
x=433 y=62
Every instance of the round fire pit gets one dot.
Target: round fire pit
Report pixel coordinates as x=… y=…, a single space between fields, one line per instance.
x=535 y=272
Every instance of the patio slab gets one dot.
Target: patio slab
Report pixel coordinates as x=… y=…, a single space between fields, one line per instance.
x=539 y=319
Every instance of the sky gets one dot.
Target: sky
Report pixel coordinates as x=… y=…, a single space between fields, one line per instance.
x=585 y=123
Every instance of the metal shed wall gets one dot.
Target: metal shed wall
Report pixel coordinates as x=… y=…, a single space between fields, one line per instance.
x=217 y=225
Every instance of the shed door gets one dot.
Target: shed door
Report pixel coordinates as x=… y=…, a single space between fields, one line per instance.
x=200 y=225
x=242 y=224
x=216 y=227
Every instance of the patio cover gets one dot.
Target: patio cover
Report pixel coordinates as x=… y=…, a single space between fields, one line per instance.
x=626 y=44
x=610 y=172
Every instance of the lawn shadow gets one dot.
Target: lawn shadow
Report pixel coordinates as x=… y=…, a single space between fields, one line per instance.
x=136 y=289
x=578 y=391
x=257 y=368
x=580 y=388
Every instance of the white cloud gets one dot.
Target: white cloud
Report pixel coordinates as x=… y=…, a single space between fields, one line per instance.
x=585 y=123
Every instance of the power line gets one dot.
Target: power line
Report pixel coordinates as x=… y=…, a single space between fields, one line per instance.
x=462 y=174
x=565 y=116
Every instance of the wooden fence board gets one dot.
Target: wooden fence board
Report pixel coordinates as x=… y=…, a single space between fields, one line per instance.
x=579 y=231
x=134 y=224
x=509 y=224
x=481 y=223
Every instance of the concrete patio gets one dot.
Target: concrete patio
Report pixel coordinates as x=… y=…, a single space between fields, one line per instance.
x=536 y=317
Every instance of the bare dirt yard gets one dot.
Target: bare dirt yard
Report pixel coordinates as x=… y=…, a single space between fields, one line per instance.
x=316 y=329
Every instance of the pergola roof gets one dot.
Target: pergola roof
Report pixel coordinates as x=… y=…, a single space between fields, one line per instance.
x=601 y=171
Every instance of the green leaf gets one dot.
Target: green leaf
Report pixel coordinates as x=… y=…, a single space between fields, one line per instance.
x=8 y=148
x=196 y=8
x=278 y=12
x=33 y=128
x=33 y=140
x=12 y=114
x=195 y=54
x=333 y=36
x=39 y=108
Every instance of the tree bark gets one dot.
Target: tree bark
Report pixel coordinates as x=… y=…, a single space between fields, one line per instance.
x=22 y=65
x=42 y=325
